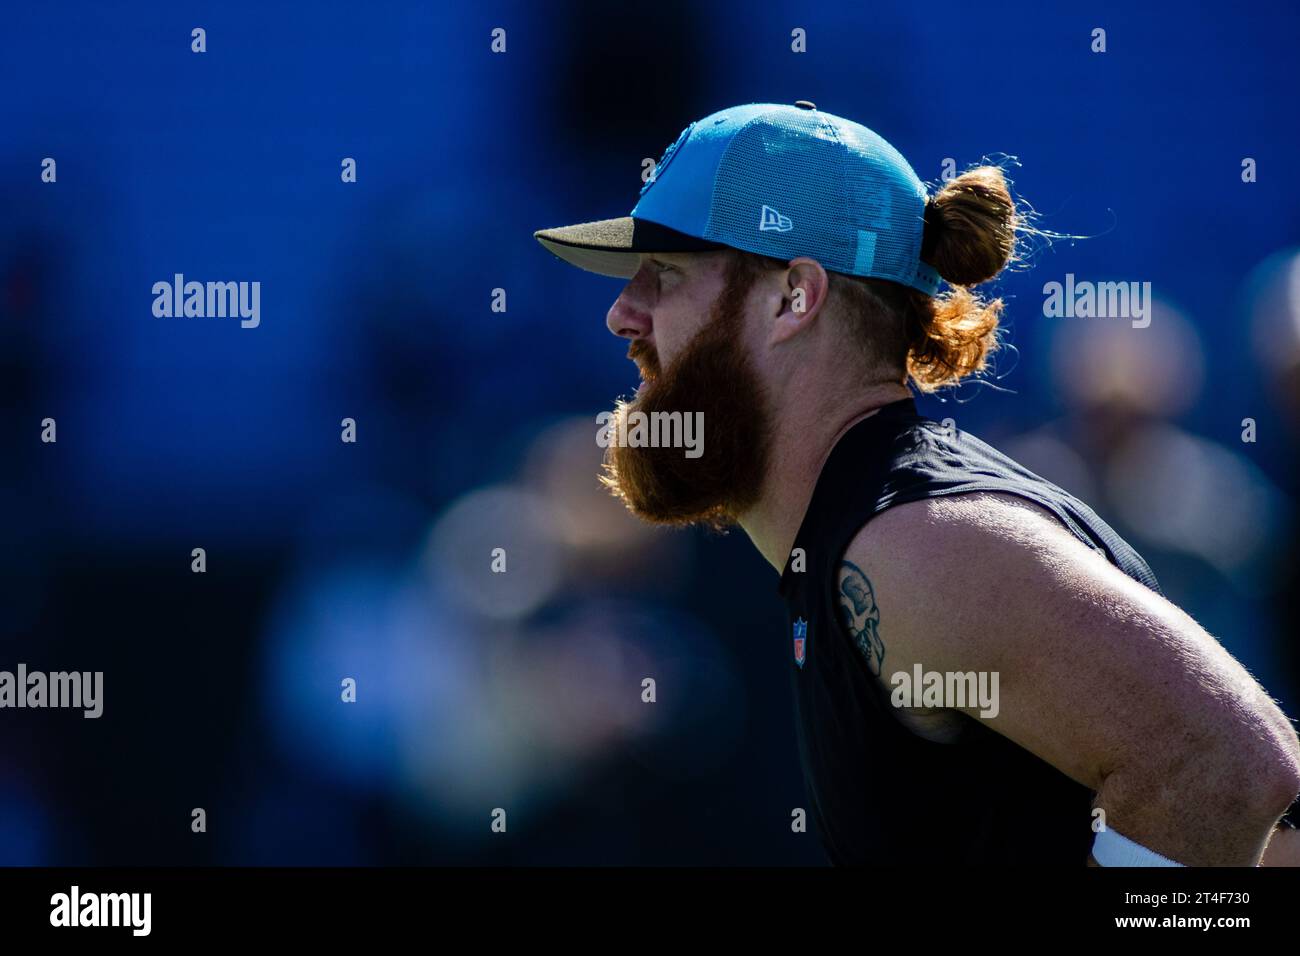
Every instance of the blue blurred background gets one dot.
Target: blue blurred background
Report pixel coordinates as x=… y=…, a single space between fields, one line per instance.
x=475 y=428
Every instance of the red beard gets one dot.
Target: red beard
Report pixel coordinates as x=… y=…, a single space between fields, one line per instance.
x=713 y=375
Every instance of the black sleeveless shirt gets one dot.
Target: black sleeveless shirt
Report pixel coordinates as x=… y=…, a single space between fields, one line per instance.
x=879 y=794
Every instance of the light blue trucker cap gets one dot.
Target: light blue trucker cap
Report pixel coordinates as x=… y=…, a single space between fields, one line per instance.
x=781 y=181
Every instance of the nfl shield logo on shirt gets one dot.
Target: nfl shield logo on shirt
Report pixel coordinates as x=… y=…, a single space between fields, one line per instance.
x=800 y=641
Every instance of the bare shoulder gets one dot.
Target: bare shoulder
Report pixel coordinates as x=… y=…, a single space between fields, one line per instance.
x=948 y=563
x=973 y=515
x=941 y=540
x=925 y=580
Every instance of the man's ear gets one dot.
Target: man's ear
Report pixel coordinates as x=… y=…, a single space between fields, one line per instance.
x=807 y=285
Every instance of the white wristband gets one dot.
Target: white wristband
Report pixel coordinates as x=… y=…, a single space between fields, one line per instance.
x=1112 y=848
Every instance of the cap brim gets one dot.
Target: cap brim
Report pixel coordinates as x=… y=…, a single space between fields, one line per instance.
x=613 y=247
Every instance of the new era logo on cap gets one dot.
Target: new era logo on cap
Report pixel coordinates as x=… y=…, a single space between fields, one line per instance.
x=773 y=221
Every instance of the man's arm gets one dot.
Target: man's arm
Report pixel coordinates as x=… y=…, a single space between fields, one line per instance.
x=1098 y=675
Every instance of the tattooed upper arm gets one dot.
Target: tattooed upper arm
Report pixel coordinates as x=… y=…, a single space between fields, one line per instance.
x=861 y=614
x=1098 y=676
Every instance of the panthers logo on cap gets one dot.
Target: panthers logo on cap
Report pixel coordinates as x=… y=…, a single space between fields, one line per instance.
x=664 y=160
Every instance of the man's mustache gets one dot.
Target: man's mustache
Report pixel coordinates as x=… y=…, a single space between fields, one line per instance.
x=644 y=355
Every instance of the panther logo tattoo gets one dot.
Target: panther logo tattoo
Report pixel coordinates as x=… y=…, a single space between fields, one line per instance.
x=861 y=615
